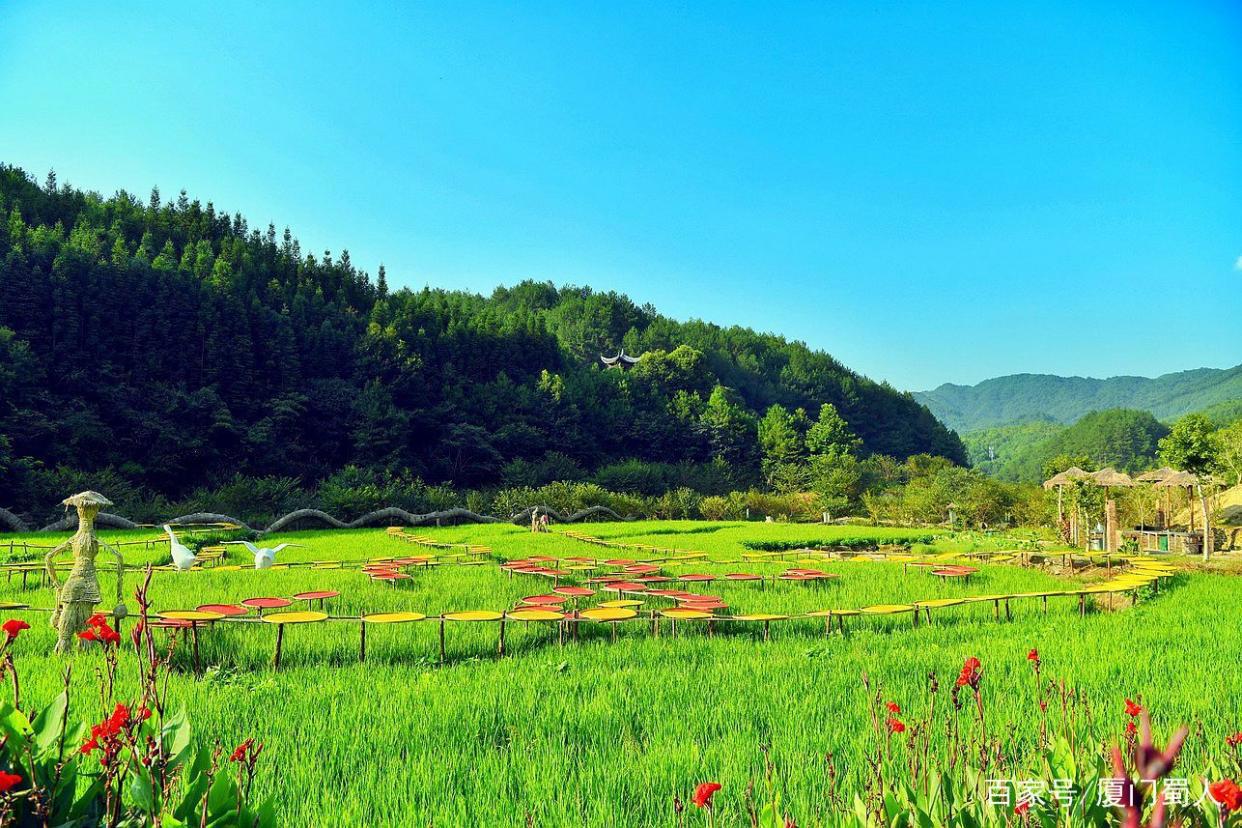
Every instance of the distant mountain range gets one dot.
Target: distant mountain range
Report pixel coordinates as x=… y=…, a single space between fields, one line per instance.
x=1029 y=397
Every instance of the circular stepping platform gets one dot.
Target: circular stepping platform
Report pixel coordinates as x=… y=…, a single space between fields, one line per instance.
x=940 y=602
x=193 y=616
x=887 y=609
x=687 y=614
x=392 y=617
x=170 y=624
x=295 y=617
x=266 y=603
x=697 y=577
x=624 y=586
x=321 y=595
x=544 y=600
x=535 y=615
x=759 y=616
x=389 y=576
x=608 y=614
x=574 y=591
x=743 y=576
x=712 y=604
x=473 y=615
x=623 y=603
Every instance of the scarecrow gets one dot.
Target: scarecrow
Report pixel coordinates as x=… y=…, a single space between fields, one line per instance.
x=77 y=598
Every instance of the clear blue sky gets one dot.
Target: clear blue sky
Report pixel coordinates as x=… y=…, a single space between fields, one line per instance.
x=936 y=192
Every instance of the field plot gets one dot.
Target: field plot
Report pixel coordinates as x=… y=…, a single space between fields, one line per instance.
x=603 y=724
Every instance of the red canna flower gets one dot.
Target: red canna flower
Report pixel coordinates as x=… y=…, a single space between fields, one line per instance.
x=14 y=626
x=88 y=635
x=8 y=780
x=239 y=752
x=1131 y=728
x=1033 y=655
x=97 y=620
x=1227 y=794
x=109 y=635
x=703 y=794
x=90 y=745
x=893 y=707
x=1133 y=708
x=1234 y=740
x=972 y=673
x=1023 y=808
x=895 y=725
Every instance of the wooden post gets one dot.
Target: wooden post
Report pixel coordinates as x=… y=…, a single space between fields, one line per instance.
x=194 y=635
x=441 y=640
x=362 y=640
x=500 y=648
x=280 y=637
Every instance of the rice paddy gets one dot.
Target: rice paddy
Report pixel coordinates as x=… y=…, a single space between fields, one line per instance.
x=603 y=721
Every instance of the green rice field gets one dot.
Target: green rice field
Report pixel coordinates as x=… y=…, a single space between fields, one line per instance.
x=596 y=731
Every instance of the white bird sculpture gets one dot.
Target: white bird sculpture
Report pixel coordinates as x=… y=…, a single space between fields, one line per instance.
x=182 y=557
x=263 y=557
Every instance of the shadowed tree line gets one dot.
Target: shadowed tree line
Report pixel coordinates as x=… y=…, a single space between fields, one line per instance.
x=173 y=347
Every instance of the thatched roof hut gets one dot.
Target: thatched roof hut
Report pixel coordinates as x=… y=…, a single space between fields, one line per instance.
x=1110 y=477
x=1178 y=479
x=1066 y=477
x=1156 y=475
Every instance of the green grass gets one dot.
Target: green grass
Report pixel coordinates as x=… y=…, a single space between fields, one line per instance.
x=597 y=733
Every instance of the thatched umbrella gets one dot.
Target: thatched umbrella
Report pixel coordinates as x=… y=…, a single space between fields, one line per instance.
x=1179 y=480
x=1110 y=478
x=1059 y=481
x=1156 y=475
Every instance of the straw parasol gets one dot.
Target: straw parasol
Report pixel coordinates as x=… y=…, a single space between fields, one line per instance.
x=1156 y=475
x=1059 y=482
x=1110 y=478
x=1066 y=477
x=1179 y=480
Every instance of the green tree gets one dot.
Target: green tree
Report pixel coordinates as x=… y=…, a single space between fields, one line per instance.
x=1190 y=446
x=1229 y=450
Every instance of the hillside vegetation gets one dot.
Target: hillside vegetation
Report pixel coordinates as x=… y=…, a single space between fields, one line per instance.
x=1023 y=397
x=176 y=346
x=1125 y=439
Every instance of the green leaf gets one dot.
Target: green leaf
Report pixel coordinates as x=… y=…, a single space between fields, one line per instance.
x=176 y=736
x=14 y=723
x=141 y=792
x=48 y=724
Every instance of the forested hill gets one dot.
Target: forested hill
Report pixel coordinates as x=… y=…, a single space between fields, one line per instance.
x=1025 y=397
x=177 y=345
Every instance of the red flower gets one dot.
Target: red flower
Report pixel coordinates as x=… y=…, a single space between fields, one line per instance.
x=1227 y=793
x=1234 y=740
x=13 y=626
x=1033 y=655
x=703 y=794
x=1131 y=729
x=88 y=635
x=89 y=745
x=8 y=780
x=239 y=752
x=895 y=725
x=109 y=635
x=97 y=620
x=893 y=707
x=1023 y=808
x=1133 y=708
x=972 y=673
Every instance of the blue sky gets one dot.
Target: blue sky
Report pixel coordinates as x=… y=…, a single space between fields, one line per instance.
x=930 y=192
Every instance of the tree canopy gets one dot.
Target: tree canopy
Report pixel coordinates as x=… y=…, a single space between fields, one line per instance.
x=175 y=345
